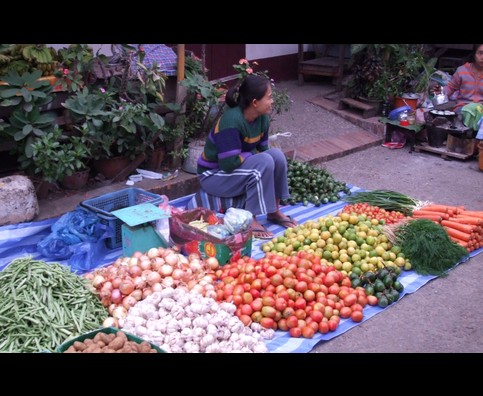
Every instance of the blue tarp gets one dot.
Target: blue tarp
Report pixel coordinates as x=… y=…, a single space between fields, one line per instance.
x=21 y=239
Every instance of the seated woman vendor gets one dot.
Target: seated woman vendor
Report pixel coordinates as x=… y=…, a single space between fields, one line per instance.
x=466 y=84
x=237 y=159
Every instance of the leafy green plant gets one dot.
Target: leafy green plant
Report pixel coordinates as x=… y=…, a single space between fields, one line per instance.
x=56 y=156
x=382 y=71
x=25 y=94
x=113 y=125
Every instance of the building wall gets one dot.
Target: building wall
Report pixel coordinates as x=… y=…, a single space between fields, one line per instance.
x=258 y=51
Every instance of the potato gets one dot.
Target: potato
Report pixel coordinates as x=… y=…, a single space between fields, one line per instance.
x=117 y=343
x=79 y=346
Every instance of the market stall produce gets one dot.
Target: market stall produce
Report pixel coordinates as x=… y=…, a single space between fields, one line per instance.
x=26 y=235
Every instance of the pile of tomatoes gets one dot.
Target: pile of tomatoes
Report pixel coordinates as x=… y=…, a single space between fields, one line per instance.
x=299 y=293
x=374 y=212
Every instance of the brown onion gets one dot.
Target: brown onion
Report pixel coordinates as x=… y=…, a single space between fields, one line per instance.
x=137 y=294
x=120 y=312
x=128 y=302
x=166 y=270
x=212 y=263
x=110 y=322
x=126 y=287
x=145 y=264
x=139 y=283
x=116 y=296
x=147 y=292
x=135 y=271
x=153 y=252
x=153 y=278
x=116 y=282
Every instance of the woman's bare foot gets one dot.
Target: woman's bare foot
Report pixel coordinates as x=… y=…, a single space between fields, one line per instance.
x=259 y=231
x=281 y=219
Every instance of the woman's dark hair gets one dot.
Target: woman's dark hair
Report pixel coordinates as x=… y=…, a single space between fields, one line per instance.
x=252 y=87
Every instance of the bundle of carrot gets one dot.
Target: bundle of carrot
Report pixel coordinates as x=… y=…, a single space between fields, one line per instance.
x=464 y=227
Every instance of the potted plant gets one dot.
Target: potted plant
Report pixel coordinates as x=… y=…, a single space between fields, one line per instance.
x=24 y=96
x=384 y=71
x=60 y=158
x=117 y=129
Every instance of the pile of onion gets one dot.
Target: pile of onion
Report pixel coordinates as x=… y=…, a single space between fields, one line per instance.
x=131 y=279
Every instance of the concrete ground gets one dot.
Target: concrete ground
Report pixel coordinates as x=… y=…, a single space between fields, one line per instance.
x=445 y=315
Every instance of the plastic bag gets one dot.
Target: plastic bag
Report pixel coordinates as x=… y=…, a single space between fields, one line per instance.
x=162 y=225
x=237 y=220
x=77 y=236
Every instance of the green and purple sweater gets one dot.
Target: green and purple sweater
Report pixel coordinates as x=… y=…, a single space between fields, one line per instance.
x=232 y=141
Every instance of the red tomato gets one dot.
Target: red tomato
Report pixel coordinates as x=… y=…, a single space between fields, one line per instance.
x=349 y=300
x=257 y=284
x=309 y=295
x=300 y=314
x=287 y=312
x=247 y=297
x=372 y=300
x=246 y=309
x=257 y=304
x=345 y=281
x=271 y=270
x=316 y=316
x=246 y=320
x=329 y=280
x=256 y=316
x=282 y=324
x=323 y=327
x=295 y=332
x=345 y=312
x=300 y=303
x=292 y=321
x=308 y=332
x=280 y=304
x=362 y=300
x=333 y=325
x=357 y=307
x=357 y=316
x=268 y=323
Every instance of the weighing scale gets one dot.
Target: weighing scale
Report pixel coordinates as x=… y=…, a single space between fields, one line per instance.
x=138 y=228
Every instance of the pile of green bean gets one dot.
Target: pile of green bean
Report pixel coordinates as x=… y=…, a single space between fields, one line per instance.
x=43 y=305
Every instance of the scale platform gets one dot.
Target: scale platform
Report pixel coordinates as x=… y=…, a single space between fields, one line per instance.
x=138 y=228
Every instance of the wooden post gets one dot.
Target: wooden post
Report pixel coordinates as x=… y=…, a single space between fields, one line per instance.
x=176 y=161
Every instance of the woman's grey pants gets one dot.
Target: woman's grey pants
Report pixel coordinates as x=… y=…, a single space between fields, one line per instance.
x=262 y=178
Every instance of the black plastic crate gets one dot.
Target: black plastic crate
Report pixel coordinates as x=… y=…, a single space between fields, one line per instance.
x=103 y=205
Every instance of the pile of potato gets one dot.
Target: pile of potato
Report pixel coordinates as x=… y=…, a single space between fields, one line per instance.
x=110 y=343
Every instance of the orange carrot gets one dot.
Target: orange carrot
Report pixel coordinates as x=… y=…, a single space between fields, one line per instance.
x=443 y=208
x=466 y=220
x=444 y=215
x=428 y=216
x=472 y=213
x=459 y=242
x=457 y=234
x=458 y=226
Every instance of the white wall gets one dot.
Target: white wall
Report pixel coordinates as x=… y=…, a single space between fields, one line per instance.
x=260 y=51
x=102 y=48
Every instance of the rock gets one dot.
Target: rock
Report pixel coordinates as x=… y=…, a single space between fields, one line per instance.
x=18 y=200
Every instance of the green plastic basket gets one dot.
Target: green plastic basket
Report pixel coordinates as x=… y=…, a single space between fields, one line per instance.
x=107 y=330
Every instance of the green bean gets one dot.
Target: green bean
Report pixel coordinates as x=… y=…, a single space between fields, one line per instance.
x=44 y=304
